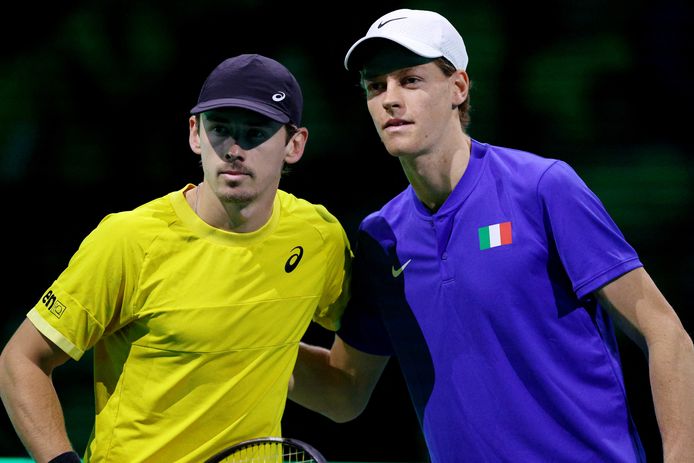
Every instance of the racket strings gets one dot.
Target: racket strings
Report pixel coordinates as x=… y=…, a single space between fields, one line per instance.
x=269 y=453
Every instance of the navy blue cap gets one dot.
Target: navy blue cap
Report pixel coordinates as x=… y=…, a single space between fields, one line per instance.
x=253 y=82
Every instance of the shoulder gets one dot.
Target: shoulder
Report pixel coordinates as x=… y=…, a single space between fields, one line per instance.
x=528 y=170
x=379 y=227
x=141 y=224
x=516 y=160
x=393 y=211
x=300 y=212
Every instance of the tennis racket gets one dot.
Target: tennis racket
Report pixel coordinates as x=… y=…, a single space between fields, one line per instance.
x=269 y=450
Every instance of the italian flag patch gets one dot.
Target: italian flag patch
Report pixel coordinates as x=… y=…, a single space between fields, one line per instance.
x=495 y=235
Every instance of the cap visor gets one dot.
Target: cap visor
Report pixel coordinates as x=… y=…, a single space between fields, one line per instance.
x=265 y=110
x=354 y=53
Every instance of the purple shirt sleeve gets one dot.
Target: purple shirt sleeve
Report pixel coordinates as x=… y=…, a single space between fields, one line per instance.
x=590 y=245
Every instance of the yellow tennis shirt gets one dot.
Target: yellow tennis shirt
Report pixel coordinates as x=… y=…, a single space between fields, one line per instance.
x=195 y=330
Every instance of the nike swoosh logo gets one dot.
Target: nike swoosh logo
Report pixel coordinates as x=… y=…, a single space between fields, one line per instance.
x=386 y=22
x=396 y=273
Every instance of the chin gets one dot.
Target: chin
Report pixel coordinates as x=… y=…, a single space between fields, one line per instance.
x=397 y=150
x=237 y=196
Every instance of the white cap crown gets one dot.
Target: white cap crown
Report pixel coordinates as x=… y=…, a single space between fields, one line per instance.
x=424 y=33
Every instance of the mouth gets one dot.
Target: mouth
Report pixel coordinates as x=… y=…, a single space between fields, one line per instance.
x=235 y=173
x=395 y=123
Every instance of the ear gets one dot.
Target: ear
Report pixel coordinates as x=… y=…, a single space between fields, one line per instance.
x=194 y=135
x=295 y=148
x=461 y=87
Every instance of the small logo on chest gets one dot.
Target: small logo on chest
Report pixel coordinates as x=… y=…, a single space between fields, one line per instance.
x=294 y=259
x=396 y=272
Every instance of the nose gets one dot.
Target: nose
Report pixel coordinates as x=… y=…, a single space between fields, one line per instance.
x=391 y=95
x=233 y=152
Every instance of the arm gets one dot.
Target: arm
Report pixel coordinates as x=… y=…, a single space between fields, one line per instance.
x=336 y=383
x=27 y=392
x=638 y=307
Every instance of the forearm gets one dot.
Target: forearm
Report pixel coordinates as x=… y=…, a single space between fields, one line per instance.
x=638 y=307
x=34 y=409
x=321 y=387
x=671 y=363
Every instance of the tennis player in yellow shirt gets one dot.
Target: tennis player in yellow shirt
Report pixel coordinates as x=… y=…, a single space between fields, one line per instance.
x=195 y=302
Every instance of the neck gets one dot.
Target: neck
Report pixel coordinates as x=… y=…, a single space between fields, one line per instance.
x=244 y=218
x=232 y=215
x=435 y=174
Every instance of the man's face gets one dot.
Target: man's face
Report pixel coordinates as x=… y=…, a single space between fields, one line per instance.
x=242 y=153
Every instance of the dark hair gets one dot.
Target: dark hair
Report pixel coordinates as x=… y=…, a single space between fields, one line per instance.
x=464 y=108
x=291 y=130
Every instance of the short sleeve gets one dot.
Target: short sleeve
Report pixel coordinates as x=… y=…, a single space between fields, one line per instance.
x=591 y=247
x=362 y=324
x=86 y=300
x=338 y=269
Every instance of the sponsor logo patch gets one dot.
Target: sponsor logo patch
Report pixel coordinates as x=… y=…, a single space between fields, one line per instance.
x=53 y=305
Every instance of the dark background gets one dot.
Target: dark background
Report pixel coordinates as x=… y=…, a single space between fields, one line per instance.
x=95 y=99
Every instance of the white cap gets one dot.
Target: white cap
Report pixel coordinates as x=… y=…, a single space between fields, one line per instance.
x=425 y=33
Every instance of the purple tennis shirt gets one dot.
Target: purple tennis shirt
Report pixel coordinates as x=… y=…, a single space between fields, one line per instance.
x=488 y=305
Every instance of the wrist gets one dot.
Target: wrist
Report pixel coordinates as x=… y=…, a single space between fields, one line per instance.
x=67 y=457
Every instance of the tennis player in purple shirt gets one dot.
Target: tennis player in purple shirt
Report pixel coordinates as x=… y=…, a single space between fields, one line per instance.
x=495 y=278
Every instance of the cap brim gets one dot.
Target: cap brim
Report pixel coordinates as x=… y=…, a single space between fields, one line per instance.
x=414 y=46
x=265 y=110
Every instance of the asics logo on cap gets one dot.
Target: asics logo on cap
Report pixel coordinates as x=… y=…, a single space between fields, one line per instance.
x=381 y=24
x=279 y=96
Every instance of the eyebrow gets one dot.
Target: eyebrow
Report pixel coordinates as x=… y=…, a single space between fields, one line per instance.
x=369 y=75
